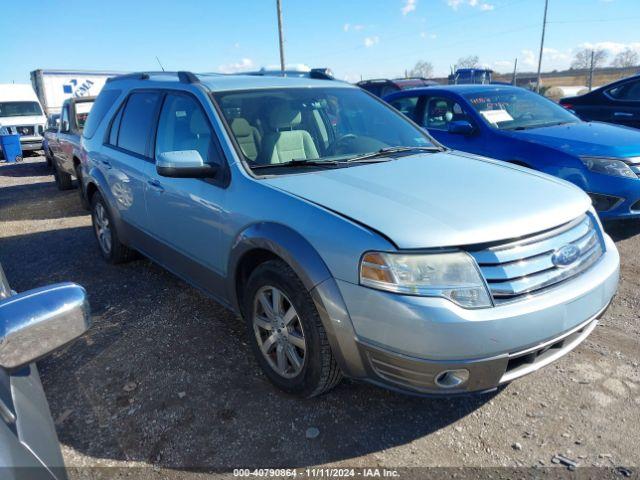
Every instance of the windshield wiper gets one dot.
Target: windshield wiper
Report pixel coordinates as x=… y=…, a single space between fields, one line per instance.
x=386 y=152
x=297 y=162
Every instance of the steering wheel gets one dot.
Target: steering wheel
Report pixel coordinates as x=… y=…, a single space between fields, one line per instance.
x=525 y=116
x=341 y=144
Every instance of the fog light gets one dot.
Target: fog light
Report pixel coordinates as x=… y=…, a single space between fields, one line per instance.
x=452 y=378
x=603 y=203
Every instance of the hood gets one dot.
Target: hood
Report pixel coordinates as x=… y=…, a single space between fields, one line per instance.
x=30 y=120
x=442 y=199
x=585 y=138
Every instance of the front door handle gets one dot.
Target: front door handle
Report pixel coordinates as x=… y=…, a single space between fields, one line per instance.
x=156 y=185
x=623 y=114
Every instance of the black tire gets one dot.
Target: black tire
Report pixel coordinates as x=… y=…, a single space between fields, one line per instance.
x=83 y=198
x=320 y=372
x=63 y=179
x=117 y=252
x=48 y=157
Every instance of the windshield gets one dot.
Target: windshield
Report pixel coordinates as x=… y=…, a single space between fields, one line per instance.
x=19 y=109
x=275 y=126
x=516 y=109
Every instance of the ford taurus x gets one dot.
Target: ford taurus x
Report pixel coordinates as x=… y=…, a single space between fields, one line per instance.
x=349 y=240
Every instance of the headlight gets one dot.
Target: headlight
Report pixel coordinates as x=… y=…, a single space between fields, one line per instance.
x=453 y=275
x=608 y=166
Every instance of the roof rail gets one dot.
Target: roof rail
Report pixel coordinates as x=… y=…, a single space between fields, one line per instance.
x=129 y=76
x=187 y=77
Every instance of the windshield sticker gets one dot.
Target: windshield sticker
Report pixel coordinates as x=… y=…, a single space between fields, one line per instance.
x=421 y=141
x=495 y=116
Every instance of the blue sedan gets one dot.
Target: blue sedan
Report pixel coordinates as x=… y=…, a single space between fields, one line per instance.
x=522 y=127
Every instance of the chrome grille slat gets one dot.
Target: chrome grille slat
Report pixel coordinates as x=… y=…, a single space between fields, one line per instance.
x=525 y=266
x=529 y=248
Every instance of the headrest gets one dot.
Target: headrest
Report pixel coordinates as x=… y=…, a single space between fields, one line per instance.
x=241 y=127
x=198 y=124
x=284 y=117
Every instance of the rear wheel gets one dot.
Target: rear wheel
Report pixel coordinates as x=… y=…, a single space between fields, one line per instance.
x=112 y=250
x=63 y=179
x=286 y=333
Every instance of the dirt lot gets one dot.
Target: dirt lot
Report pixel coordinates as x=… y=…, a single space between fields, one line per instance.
x=164 y=378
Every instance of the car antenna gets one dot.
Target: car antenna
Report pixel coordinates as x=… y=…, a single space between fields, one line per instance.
x=159 y=63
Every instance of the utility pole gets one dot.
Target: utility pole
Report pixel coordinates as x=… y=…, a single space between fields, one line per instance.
x=591 y=70
x=514 y=79
x=280 y=36
x=544 y=27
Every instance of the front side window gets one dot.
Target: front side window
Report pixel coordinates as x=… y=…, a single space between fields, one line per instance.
x=279 y=125
x=137 y=119
x=628 y=91
x=183 y=125
x=440 y=112
x=19 y=109
x=518 y=109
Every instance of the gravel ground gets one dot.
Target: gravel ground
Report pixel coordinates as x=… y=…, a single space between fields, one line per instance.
x=164 y=377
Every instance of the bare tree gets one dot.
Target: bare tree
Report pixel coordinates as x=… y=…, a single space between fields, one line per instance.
x=470 y=61
x=626 y=58
x=582 y=59
x=422 y=69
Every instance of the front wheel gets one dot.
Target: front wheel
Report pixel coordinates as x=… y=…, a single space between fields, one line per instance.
x=286 y=333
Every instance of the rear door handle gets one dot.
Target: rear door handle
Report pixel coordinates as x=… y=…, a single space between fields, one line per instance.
x=623 y=114
x=156 y=185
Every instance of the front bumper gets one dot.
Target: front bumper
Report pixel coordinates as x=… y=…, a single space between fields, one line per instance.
x=31 y=143
x=624 y=191
x=405 y=342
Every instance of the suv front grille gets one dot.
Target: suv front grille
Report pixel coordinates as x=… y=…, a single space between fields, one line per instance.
x=524 y=266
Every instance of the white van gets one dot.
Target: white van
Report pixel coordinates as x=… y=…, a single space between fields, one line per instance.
x=21 y=113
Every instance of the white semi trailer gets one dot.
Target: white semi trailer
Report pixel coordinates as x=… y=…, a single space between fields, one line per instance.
x=53 y=87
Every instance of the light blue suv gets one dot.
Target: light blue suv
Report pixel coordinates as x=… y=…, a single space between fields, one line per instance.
x=350 y=241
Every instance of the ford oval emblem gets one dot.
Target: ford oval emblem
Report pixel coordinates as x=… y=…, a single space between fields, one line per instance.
x=565 y=256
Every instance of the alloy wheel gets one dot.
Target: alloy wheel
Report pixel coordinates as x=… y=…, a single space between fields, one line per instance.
x=102 y=227
x=279 y=332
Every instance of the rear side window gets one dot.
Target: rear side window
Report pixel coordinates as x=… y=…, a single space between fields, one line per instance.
x=100 y=108
x=137 y=119
x=629 y=91
x=406 y=106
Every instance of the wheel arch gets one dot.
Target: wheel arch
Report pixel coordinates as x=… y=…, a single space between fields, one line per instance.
x=264 y=241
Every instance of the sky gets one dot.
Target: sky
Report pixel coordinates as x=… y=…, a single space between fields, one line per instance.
x=355 y=38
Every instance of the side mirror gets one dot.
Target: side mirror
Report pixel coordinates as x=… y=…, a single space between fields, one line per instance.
x=184 y=164
x=460 y=127
x=36 y=322
x=64 y=126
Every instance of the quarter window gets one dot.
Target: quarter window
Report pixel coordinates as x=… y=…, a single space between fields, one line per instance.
x=100 y=108
x=183 y=125
x=137 y=119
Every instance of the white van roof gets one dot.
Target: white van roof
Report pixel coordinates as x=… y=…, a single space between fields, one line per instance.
x=17 y=92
